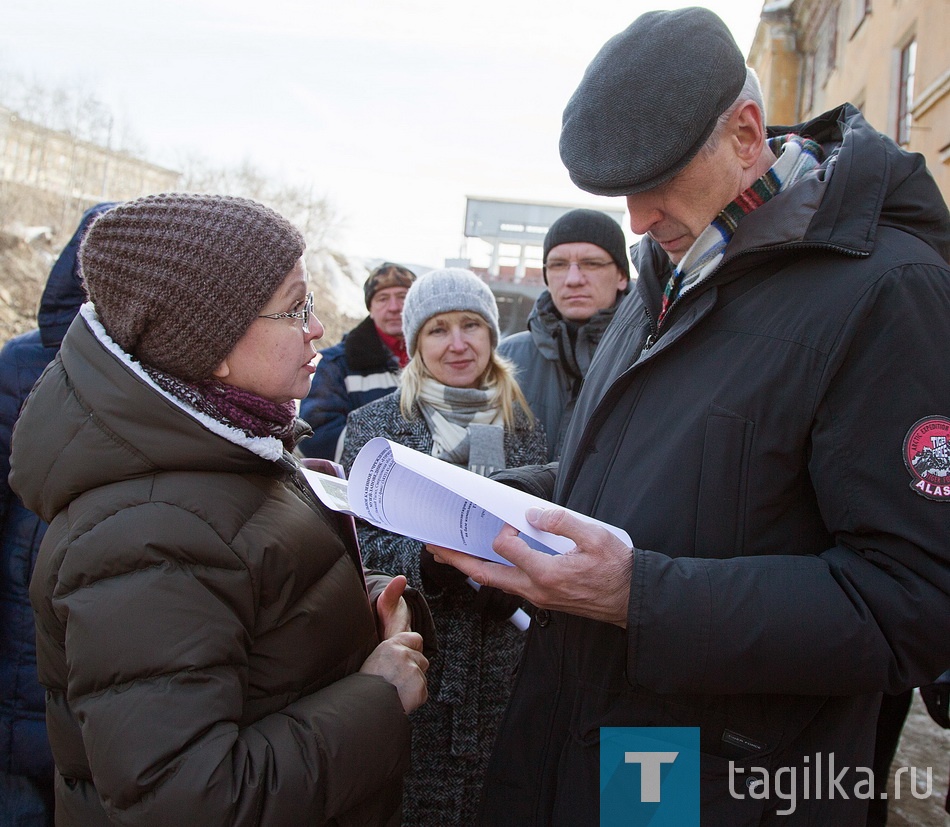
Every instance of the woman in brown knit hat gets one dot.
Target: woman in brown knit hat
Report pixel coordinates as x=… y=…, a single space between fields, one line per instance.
x=212 y=650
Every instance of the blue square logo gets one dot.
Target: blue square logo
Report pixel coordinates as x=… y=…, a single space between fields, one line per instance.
x=649 y=776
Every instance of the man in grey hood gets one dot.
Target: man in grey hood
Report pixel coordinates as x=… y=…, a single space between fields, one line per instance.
x=587 y=272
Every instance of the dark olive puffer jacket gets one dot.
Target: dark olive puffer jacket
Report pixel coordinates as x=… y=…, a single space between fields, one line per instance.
x=200 y=621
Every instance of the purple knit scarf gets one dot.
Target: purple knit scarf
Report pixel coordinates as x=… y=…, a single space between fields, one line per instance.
x=246 y=411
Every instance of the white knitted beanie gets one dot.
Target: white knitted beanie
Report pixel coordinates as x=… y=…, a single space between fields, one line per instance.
x=442 y=291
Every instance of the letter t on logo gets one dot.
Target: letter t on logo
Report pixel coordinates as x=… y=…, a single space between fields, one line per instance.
x=650 y=763
x=667 y=757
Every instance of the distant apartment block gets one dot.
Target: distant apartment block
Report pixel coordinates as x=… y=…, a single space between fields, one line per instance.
x=50 y=177
x=890 y=58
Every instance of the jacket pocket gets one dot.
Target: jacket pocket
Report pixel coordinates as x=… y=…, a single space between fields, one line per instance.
x=721 y=505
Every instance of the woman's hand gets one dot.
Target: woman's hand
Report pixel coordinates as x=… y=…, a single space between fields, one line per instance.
x=399 y=657
x=393 y=614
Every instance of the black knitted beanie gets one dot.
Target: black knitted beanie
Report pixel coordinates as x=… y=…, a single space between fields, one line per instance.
x=178 y=278
x=593 y=227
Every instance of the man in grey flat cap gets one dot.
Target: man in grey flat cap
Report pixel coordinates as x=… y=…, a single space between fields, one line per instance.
x=767 y=416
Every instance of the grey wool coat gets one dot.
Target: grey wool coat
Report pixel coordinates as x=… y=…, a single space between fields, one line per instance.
x=471 y=676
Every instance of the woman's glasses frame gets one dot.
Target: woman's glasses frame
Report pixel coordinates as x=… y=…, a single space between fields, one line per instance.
x=304 y=315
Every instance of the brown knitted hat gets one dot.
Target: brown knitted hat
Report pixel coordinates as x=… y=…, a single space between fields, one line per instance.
x=178 y=278
x=386 y=275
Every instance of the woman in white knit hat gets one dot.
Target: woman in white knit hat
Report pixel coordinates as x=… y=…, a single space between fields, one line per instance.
x=458 y=400
x=212 y=651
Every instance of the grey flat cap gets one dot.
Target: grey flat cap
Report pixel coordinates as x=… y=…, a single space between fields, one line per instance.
x=649 y=100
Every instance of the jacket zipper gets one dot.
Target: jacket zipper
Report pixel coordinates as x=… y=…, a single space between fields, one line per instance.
x=654 y=333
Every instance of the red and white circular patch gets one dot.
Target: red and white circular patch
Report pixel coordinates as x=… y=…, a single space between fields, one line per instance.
x=927 y=457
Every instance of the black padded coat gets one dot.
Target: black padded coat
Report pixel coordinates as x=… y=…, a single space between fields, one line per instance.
x=759 y=449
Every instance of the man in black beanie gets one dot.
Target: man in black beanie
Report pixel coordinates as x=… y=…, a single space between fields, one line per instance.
x=587 y=272
x=768 y=417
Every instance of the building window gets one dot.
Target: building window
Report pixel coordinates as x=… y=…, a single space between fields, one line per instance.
x=808 y=86
x=905 y=92
x=832 y=29
x=826 y=48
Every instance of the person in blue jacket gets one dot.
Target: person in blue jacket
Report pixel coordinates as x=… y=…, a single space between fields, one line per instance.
x=26 y=765
x=363 y=367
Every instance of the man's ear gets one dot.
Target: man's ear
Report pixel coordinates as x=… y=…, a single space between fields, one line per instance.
x=748 y=133
x=222 y=370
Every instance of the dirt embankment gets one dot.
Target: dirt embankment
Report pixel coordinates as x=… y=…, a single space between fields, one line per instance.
x=23 y=272
x=924 y=747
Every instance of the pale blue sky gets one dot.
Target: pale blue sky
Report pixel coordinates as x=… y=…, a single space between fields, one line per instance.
x=394 y=110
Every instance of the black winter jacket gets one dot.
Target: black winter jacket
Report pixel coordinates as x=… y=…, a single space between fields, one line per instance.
x=759 y=451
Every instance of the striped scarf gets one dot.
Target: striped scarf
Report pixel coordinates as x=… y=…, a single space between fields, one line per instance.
x=797 y=157
x=467 y=429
